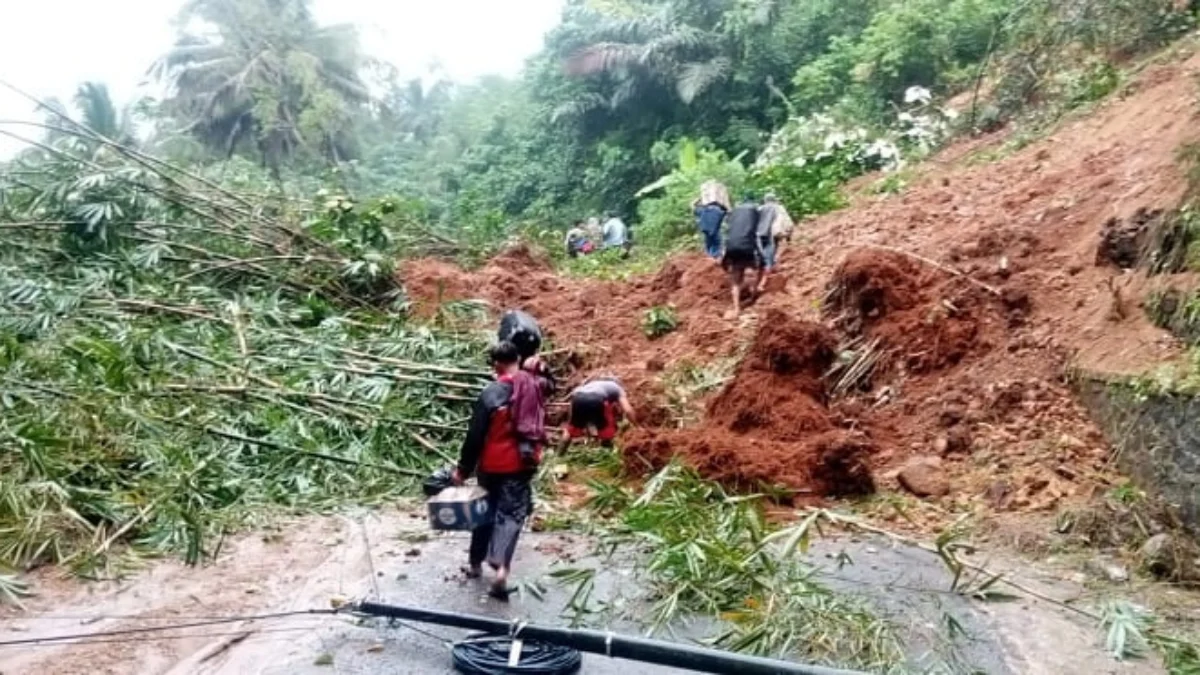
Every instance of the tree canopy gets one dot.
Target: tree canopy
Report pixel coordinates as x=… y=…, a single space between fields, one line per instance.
x=601 y=110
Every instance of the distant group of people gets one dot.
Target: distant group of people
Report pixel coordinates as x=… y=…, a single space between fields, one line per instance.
x=589 y=236
x=755 y=235
x=507 y=435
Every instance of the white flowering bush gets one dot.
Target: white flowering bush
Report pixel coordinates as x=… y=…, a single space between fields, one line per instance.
x=807 y=160
x=918 y=129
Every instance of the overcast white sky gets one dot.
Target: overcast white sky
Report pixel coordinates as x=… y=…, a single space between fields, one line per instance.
x=48 y=47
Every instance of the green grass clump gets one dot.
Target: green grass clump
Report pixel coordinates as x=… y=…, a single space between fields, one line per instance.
x=659 y=321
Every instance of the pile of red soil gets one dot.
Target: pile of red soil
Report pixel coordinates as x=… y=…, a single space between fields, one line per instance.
x=926 y=319
x=429 y=282
x=769 y=427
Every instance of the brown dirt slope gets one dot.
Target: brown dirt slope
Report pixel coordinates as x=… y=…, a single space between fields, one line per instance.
x=970 y=365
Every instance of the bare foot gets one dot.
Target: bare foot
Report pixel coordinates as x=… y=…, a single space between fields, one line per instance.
x=499 y=591
x=731 y=314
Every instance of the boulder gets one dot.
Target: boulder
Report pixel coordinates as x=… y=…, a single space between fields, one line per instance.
x=923 y=476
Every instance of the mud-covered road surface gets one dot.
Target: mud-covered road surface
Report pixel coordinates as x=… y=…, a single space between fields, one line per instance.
x=305 y=563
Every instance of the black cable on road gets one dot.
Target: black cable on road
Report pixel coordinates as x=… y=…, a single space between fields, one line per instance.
x=678 y=655
x=162 y=638
x=159 y=629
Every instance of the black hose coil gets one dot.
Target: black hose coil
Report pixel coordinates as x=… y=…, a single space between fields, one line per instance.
x=488 y=655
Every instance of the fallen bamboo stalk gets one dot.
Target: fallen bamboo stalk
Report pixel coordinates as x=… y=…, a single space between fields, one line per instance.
x=141 y=226
x=265 y=394
x=174 y=199
x=355 y=370
x=428 y=445
x=252 y=263
x=936 y=265
x=399 y=363
x=309 y=453
x=196 y=313
x=909 y=541
x=170 y=309
x=182 y=193
x=141 y=515
x=409 y=378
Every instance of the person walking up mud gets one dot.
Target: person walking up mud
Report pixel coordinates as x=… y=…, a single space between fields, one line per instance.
x=743 y=251
x=492 y=450
x=774 y=227
x=710 y=210
x=596 y=407
x=708 y=220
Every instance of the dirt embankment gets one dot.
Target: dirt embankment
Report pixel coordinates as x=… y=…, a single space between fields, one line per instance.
x=970 y=293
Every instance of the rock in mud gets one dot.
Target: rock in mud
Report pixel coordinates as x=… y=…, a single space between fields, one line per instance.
x=1123 y=243
x=1107 y=568
x=956 y=440
x=999 y=494
x=1156 y=554
x=924 y=477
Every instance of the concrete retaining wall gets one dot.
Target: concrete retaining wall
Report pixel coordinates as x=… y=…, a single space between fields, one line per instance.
x=1157 y=437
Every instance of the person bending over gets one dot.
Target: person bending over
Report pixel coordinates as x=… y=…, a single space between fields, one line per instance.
x=596 y=406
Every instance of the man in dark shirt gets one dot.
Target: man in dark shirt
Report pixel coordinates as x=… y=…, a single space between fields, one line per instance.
x=492 y=450
x=742 y=248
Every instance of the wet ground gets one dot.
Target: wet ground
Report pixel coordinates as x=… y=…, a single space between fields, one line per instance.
x=311 y=560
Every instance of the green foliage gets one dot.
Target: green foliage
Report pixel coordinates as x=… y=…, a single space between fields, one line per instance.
x=1094 y=82
x=892 y=184
x=1060 y=55
x=667 y=215
x=1125 y=626
x=582 y=128
x=1176 y=311
x=1127 y=493
x=177 y=356
x=687 y=383
x=902 y=44
x=659 y=321
x=1131 y=632
x=714 y=554
x=811 y=189
x=12 y=589
x=1180 y=657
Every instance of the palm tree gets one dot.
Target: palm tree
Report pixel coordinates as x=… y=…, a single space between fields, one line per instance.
x=269 y=78
x=94 y=113
x=418 y=110
x=97 y=112
x=684 y=47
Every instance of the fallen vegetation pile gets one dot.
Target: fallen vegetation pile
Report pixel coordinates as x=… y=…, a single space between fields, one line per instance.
x=716 y=554
x=175 y=353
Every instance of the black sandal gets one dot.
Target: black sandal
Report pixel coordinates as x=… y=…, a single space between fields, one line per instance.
x=470 y=572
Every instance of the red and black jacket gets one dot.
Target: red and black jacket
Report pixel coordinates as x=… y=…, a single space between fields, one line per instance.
x=491 y=443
